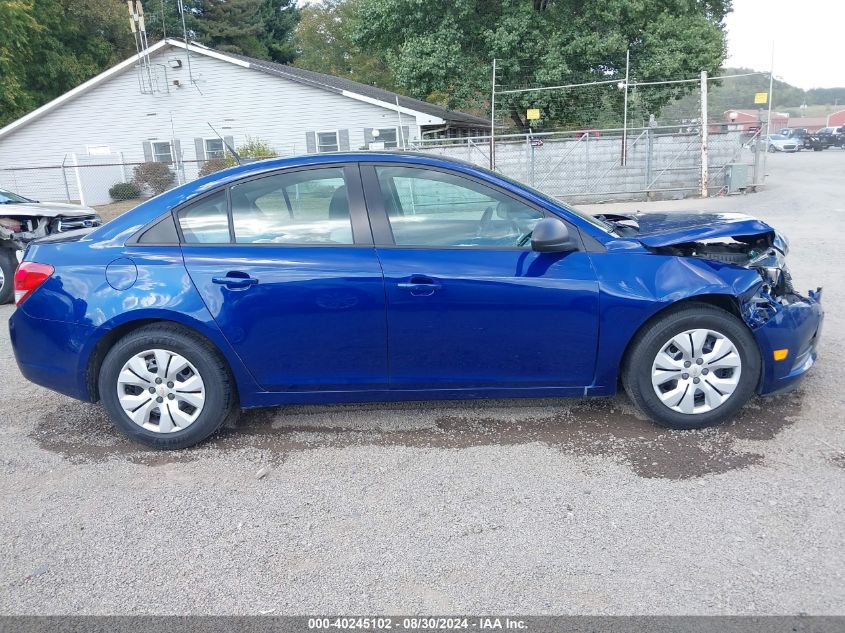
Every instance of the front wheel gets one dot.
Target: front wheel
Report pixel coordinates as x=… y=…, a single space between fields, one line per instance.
x=166 y=387
x=692 y=368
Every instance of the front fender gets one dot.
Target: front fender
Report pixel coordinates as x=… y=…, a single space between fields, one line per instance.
x=633 y=287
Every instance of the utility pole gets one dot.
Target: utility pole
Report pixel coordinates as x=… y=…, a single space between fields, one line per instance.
x=625 y=115
x=181 y=8
x=703 y=127
x=493 y=119
x=769 y=120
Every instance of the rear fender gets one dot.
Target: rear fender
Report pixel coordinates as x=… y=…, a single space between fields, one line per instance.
x=114 y=288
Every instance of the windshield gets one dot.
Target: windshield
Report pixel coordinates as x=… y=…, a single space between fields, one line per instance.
x=777 y=137
x=7 y=197
x=604 y=226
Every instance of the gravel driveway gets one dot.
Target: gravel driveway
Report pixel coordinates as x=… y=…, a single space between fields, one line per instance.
x=528 y=507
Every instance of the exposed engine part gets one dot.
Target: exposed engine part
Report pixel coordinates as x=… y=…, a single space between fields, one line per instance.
x=763 y=253
x=17 y=232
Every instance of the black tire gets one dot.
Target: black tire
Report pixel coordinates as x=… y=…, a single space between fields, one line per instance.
x=8 y=265
x=220 y=404
x=636 y=372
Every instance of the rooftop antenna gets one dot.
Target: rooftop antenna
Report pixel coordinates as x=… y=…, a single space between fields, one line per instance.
x=139 y=32
x=181 y=6
x=229 y=147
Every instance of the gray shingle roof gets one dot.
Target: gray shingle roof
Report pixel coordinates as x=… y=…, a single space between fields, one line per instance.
x=339 y=84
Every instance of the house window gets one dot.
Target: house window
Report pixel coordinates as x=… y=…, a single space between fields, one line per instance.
x=387 y=138
x=327 y=142
x=162 y=152
x=214 y=148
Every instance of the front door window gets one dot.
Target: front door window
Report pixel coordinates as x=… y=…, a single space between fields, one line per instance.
x=431 y=208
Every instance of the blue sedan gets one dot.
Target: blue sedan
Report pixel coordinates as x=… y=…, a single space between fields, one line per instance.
x=358 y=277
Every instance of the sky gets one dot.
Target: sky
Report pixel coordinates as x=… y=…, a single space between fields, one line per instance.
x=807 y=37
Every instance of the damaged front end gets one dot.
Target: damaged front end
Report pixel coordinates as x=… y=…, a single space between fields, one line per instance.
x=765 y=253
x=785 y=323
x=17 y=232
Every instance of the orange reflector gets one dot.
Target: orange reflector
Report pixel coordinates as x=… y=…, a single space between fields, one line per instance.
x=781 y=354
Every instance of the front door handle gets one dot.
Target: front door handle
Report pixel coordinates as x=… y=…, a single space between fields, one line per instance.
x=420 y=286
x=235 y=279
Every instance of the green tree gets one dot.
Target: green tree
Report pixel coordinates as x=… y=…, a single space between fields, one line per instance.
x=257 y=28
x=446 y=48
x=16 y=26
x=48 y=47
x=325 y=43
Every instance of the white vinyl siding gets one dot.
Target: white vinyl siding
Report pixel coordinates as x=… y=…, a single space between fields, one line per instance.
x=240 y=102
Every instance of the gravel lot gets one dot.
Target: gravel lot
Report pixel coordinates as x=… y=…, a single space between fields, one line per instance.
x=528 y=507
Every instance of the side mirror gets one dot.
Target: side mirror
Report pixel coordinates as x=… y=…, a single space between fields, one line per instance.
x=551 y=235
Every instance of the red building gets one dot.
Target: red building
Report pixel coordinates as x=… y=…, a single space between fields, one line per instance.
x=749 y=120
x=836 y=119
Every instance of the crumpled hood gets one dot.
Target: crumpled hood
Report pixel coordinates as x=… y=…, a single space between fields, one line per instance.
x=45 y=210
x=666 y=229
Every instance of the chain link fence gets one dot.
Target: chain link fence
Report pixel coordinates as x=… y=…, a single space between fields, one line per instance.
x=642 y=146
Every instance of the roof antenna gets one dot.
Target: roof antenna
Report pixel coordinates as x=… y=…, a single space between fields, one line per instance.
x=229 y=147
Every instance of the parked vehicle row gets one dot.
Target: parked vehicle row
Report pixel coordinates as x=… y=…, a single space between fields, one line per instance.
x=357 y=277
x=796 y=139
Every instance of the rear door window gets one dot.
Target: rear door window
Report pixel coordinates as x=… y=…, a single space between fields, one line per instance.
x=300 y=207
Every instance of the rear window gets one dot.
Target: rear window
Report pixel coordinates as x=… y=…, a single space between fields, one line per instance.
x=206 y=221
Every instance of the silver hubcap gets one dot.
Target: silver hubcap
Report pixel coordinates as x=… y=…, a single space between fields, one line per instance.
x=161 y=391
x=696 y=371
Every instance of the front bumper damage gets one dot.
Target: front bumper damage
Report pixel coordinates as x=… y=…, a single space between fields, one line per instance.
x=790 y=322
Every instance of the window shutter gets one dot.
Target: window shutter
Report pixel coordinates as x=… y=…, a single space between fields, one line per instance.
x=148 y=152
x=230 y=141
x=310 y=143
x=343 y=140
x=405 y=136
x=177 y=152
x=199 y=146
x=368 y=137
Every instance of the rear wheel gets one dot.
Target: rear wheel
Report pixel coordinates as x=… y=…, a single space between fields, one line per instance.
x=166 y=387
x=8 y=264
x=692 y=368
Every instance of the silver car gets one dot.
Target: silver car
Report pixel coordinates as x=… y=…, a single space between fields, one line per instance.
x=781 y=143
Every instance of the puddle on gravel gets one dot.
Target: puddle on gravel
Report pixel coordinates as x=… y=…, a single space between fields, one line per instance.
x=600 y=427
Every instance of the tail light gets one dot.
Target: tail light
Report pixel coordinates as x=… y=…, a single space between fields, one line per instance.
x=29 y=276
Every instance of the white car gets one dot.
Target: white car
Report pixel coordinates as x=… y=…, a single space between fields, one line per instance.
x=23 y=220
x=781 y=143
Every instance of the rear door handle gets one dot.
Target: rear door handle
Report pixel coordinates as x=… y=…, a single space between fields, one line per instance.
x=235 y=280
x=420 y=286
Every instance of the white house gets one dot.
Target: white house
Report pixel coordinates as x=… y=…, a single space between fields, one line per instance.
x=161 y=106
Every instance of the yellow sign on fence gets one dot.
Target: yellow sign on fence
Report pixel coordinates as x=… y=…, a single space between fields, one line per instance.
x=761 y=98
x=533 y=114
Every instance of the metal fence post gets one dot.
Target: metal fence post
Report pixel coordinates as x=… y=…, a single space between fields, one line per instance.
x=649 y=154
x=64 y=177
x=703 y=127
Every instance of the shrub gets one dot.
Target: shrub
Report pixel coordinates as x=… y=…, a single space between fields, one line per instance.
x=124 y=191
x=157 y=176
x=212 y=165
